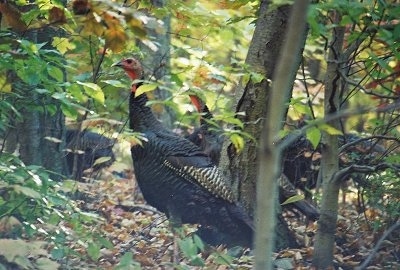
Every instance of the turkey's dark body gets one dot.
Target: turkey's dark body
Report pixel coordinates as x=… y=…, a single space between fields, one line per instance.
x=177 y=178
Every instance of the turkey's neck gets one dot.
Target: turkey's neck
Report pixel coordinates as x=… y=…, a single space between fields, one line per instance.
x=141 y=118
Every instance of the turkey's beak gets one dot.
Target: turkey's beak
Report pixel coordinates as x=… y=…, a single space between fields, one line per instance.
x=118 y=64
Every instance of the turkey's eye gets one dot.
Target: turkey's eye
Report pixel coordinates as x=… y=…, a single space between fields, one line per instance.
x=129 y=61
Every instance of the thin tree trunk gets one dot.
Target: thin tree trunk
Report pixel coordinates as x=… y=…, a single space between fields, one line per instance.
x=325 y=237
x=269 y=167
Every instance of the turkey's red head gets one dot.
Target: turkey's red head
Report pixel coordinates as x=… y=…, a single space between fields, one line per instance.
x=132 y=67
x=197 y=102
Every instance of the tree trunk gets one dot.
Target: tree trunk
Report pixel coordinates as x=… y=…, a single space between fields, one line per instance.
x=38 y=124
x=325 y=237
x=252 y=98
x=269 y=168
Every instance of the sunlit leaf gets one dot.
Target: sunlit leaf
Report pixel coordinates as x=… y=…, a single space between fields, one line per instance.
x=76 y=92
x=330 y=130
x=293 y=199
x=55 y=72
x=27 y=192
x=62 y=44
x=145 y=88
x=115 y=83
x=313 y=134
x=237 y=141
x=94 y=91
x=101 y=160
x=4 y=85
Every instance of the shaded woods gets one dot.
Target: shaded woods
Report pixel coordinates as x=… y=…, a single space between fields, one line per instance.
x=68 y=192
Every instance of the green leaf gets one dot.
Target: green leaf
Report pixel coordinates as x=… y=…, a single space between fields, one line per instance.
x=27 y=192
x=76 y=91
x=57 y=253
x=93 y=251
x=223 y=259
x=94 y=91
x=101 y=160
x=199 y=243
x=301 y=108
x=29 y=16
x=105 y=242
x=56 y=73
x=245 y=78
x=313 y=134
x=4 y=85
x=257 y=77
x=293 y=199
x=330 y=130
x=115 y=83
x=62 y=44
x=127 y=262
x=145 y=88
x=69 y=111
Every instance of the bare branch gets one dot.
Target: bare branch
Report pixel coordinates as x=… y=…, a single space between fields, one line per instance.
x=378 y=245
x=343 y=173
x=377 y=137
x=344 y=113
x=367 y=91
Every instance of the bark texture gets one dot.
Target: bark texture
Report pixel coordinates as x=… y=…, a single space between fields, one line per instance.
x=269 y=168
x=325 y=237
x=252 y=99
x=28 y=135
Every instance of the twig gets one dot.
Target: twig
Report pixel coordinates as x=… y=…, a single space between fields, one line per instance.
x=138 y=207
x=343 y=173
x=344 y=113
x=378 y=245
x=380 y=137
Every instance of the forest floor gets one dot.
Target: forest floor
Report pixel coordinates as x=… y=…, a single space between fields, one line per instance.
x=143 y=234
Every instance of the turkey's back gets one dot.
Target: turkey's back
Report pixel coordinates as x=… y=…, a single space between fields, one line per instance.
x=173 y=192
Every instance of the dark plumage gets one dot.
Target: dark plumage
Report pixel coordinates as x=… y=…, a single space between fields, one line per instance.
x=179 y=179
x=87 y=147
x=210 y=141
x=207 y=137
x=302 y=162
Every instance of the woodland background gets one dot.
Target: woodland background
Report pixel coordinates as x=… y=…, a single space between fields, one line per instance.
x=56 y=74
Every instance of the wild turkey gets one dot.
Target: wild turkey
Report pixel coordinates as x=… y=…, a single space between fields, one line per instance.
x=302 y=162
x=210 y=140
x=86 y=147
x=177 y=178
x=207 y=136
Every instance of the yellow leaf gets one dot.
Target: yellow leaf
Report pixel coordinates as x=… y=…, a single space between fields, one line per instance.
x=101 y=160
x=115 y=38
x=62 y=44
x=330 y=130
x=237 y=141
x=293 y=199
x=4 y=85
x=145 y=88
